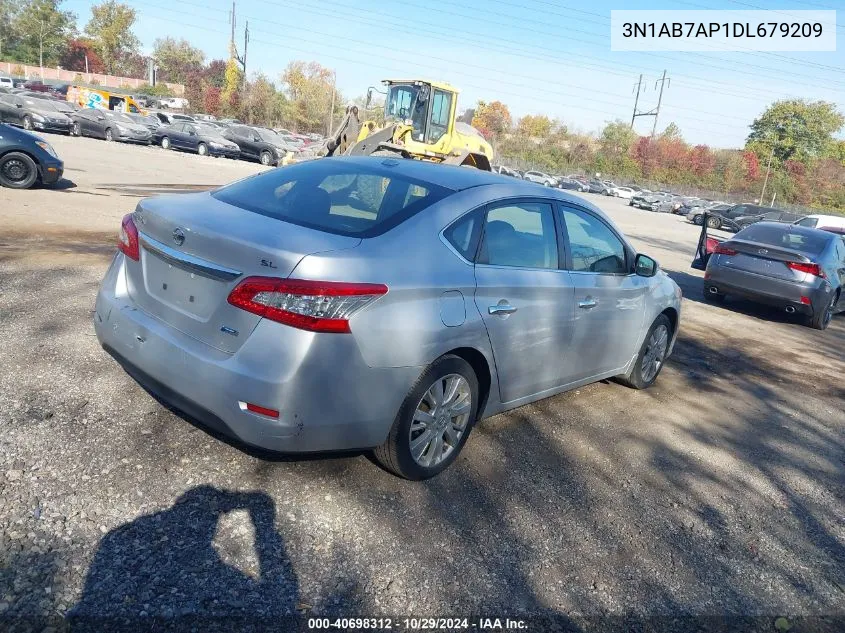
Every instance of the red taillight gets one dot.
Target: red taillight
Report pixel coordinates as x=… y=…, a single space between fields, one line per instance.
x=710 y=245
x=721 y=249
x=270 y=413
x=128 y=241
x=813 y=269
x=806 y=301
x=317 y=306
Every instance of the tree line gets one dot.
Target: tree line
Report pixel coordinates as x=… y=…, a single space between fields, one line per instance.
x=795 y=139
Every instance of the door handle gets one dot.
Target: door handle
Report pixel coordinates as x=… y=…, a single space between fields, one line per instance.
x=502 y=308
x=587 y=303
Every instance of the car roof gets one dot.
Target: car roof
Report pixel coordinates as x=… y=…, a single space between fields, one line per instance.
x=796 y=229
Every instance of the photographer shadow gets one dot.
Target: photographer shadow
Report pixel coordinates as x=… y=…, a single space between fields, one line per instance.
x=192 y=567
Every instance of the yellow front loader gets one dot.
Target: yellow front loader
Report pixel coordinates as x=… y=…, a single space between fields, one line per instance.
x=419 y=123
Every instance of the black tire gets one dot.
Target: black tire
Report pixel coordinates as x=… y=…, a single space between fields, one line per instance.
x=636 y=380
x=17 y=171
x=821 y=318
x=395 y=454
x=76 y=129
x=698 y=220
x=266 y=158
x=165 y=143
x=109 y=135
x=27 y=122
x=202 y=149
x=714 y=223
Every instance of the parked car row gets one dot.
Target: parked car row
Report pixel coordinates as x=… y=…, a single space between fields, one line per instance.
x=202 y=134
x=738 y=216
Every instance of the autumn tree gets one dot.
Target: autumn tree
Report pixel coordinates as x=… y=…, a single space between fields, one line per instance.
x=176 y=59
x=702 y=161
x=535 y=126
x=230 y=96
x=492 y=119
x=79 y=55
x=110 y=30
x=308 y=87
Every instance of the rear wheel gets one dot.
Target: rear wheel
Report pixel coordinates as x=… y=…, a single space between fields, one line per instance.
x=434 y=421
x=821 y=318
x=652 y=354
x=713 y=222
x=17 y=171
x=202 y=149
x=76 y=130
x=266 y=158
x=109 y=134
x=27 y=122
x=165 y=142
x=698 y=220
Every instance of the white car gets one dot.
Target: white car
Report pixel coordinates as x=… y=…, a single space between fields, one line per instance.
x=540 y=178
x=173 y=102
x=622 y=192
x=822 y=221
x=7 y=82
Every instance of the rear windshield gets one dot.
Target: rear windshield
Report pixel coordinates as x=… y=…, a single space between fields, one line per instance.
x=336 y=197
x=809 y=242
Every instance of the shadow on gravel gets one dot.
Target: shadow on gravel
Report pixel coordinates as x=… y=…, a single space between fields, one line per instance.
x=211 y=562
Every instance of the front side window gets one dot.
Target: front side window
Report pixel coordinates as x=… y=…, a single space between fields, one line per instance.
x=520 y=234
x=336 y=198
x=595 y=248
x=810 y=222
x=441 y=108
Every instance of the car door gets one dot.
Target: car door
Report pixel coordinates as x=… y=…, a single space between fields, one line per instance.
x=609 y=302
x=6 y=108
x=16 y=110
x=177 y=135
x=524 y=297
x=190 y=140
x=243 y=137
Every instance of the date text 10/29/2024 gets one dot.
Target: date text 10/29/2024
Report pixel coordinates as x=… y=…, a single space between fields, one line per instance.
x=418 y=624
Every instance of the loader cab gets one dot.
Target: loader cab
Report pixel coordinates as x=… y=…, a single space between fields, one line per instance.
x=426 y=108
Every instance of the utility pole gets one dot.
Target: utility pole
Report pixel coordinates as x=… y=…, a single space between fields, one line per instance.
x=766 y=179
x=662 y=81
x=331 y=109
x=246 y=44
x=41 y=50
x=232 y=21
x=655 y=111
x=636 y=100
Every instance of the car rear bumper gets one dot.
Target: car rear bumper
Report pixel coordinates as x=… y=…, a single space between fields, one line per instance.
x=228 y=153
x=328 y=398
x=49 y=126
x=766 y=290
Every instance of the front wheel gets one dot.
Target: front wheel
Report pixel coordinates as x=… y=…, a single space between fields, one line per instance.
x=76 y=130
x=698 y=220
x=434 y=421
x=27 y=123
x=109 y=135
x=266 y=158
x=652 y=355
x=165 y=143
x=17 y=171
x=713 y=223
x=202 y=149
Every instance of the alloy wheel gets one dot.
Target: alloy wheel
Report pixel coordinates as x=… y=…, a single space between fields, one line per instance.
x=655 y=352
x=440 y=420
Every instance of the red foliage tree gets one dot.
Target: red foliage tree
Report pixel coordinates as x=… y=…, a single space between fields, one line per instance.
x=211 y=100
x=645 y=155
x=702 y=161
x=752 y=166
x=73 y=57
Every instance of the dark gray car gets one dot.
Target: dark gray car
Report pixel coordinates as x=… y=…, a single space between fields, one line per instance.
x=795 y=268
x=30 y=113
x=109 y=125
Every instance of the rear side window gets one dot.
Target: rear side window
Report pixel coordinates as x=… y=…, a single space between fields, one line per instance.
x=520 y=234
x=463 y=234
x=811 y=243
x=335 y=197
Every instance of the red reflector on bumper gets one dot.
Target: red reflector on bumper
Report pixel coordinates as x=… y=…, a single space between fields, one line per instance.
x=805 y=301
x=270 y=413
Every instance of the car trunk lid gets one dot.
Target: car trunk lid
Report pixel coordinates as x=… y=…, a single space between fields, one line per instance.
x=764 y=259
x=194 y=249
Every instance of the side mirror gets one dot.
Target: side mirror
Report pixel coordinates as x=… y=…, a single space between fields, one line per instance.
x=18 y=105
x=645 y=266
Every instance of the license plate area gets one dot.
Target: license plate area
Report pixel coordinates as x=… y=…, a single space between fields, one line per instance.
x=185 y=291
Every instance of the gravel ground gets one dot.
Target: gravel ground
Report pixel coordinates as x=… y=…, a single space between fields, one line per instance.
x=716 y=495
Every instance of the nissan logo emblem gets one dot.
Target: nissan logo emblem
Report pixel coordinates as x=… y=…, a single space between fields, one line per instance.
x=763 y=251
x=178 y=236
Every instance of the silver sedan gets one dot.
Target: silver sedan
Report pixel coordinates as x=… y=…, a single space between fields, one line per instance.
x=356 y=303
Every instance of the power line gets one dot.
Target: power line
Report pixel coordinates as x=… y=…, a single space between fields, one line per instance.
x=485 y=68
x=368 y=60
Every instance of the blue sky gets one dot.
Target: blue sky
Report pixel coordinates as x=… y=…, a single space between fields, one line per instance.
x=537 y=56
